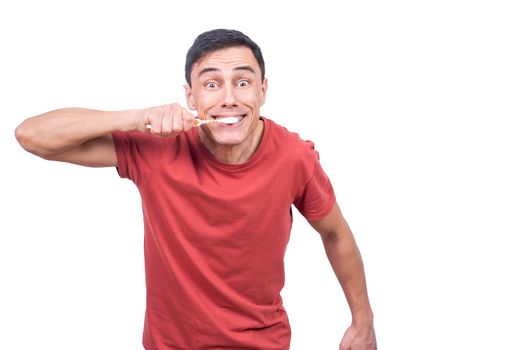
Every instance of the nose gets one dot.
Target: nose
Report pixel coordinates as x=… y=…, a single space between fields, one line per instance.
x=229 y=99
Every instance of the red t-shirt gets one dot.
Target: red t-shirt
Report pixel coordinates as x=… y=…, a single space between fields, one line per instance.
x=216 y=234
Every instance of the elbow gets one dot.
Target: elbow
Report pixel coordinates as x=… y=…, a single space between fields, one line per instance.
x=330 y=236
x=24 y=135
x=27 y=137
x=336 y=236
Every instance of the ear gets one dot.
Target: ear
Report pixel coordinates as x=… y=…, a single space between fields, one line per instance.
x=189 y=97
x=263 y=92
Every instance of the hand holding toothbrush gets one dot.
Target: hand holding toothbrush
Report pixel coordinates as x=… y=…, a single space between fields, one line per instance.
x=172 y=119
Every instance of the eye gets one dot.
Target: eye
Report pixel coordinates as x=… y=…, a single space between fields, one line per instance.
x=243 y=83
x=211 y=85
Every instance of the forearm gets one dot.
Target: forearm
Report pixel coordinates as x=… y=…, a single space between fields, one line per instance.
x=345 y=258
x=58 y=131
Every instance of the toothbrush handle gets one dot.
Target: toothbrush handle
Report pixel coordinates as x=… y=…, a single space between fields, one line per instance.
x=199 y=122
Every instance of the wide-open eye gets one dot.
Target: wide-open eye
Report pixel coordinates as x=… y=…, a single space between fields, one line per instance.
x=243 y=83
x=211 y=85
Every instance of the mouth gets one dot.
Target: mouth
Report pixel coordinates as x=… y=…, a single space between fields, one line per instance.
x=228 y=119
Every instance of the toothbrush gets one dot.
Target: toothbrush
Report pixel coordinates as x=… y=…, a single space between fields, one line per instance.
x=200 y=122
x=226 y=120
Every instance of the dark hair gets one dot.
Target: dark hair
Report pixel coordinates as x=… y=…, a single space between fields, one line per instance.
x=218 y=39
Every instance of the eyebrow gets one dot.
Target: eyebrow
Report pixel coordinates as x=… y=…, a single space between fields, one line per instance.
x=248 y=68
x=212 y=69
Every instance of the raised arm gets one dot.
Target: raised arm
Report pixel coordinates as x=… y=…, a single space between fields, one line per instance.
x=83 y=136
x=344 y=256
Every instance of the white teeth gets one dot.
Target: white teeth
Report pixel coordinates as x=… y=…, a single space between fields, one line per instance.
x=229 y=120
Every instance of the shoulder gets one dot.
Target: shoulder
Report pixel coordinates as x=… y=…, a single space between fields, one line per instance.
x=146 y=146
x=290 y=144
x=293 y=153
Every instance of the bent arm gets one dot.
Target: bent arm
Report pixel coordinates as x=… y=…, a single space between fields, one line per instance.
x=83 y=136
x=345 y=258
x=76 y=135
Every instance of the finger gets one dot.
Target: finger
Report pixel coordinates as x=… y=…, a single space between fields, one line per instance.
x=176 y=120
x=188 y=120
x=167 y=122
x=156 y=118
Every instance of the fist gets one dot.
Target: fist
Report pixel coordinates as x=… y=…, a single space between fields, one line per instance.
x=165 y=121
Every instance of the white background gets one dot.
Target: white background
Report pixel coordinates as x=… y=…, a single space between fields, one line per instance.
x=416 y=108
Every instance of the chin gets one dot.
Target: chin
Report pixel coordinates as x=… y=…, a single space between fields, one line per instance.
x=229 y=140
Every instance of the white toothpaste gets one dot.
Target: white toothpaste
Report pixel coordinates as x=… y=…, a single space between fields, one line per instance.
x=228 y=120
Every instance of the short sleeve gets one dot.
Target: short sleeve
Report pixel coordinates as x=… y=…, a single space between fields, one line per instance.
x=317 y=198
x=136 y=154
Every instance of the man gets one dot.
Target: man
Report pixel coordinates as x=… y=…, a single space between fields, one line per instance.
x=216 y=200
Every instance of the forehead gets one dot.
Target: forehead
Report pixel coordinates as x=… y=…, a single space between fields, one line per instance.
x=226 y=60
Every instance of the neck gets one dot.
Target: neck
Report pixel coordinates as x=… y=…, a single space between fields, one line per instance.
x=235 y=154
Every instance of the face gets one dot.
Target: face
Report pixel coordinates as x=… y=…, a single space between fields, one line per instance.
x=227 y=83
